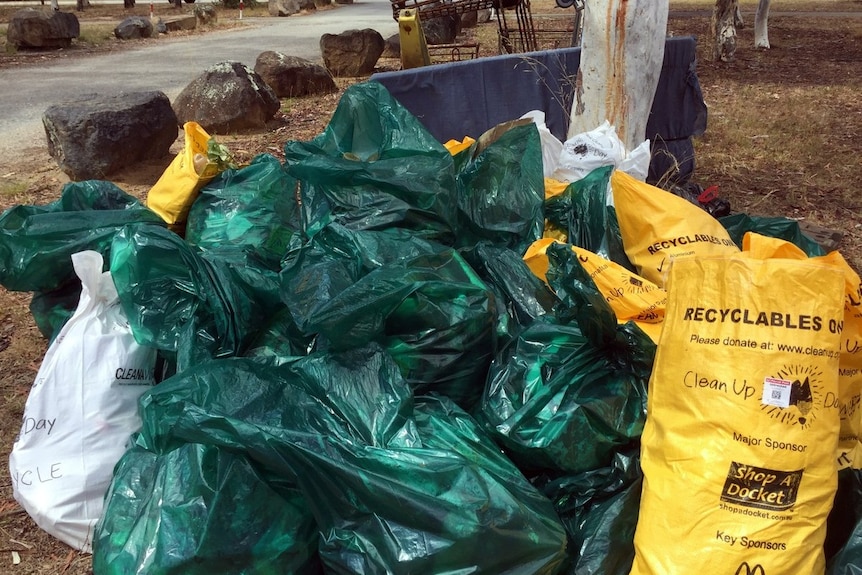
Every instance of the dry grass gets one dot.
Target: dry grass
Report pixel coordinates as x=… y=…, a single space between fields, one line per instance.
x=781 y=131
x=783 y=123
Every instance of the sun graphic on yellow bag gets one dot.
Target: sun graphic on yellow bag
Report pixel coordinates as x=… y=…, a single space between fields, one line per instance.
x=631 y=297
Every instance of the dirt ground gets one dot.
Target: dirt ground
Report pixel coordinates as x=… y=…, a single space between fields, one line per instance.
x=782 y=140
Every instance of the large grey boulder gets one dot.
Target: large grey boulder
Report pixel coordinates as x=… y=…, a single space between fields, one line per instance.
x=283 y=8
x=291 y=76
x=392 y=48
x=470 y=19
x=179 y=23
x=32 y=28
x=442 y=29
x=352 y=53
x=228 y=97
x=134 y=28
x=206 y=14
x=159 y=26
x=96 y=136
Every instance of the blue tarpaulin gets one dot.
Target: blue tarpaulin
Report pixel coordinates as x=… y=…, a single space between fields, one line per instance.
x=467 y=98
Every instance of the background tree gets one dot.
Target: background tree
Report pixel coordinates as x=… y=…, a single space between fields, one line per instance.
x=761 y=35
x=725 y=18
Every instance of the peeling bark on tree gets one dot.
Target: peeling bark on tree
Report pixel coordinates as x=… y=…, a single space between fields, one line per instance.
x=761 y=32
x=622 y=49
x=724 y=16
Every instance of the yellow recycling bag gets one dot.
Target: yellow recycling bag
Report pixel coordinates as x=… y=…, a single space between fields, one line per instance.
x=631 y=297
x=455 y=147
x=554 y=187
x=658 y=226
x=176 y=190
x=849 y=452
x=739 y=442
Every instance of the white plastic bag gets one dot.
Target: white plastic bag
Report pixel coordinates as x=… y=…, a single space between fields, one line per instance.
x=636 y=162
x=80 y=411
x=584 y=152
x=552 y=147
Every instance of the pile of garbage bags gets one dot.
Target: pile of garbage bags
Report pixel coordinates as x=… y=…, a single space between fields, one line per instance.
x=357 y=371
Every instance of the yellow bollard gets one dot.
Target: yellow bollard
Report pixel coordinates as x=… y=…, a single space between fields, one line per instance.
x=414 y=50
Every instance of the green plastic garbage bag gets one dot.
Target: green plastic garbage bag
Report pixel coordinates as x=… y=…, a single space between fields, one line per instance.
x=843 y=545
x=520 y=296
x=253 y=207
x=524 y=295
x=774 y=227
x=396 y=486
x=37 y=242
x=375 y=166
x=195 y=304
x=626 y=346
x=600 y=511
x=501 y=191
x=52 y=309
x=320 y=269
x=571 y=390
x=201 y=510
x=554 y=402
x=420 y=300
x=583 y=213
x=334 y=258
x=280 y=340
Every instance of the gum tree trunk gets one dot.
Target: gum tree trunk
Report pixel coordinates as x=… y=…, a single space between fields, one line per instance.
x=622 y=49
x=761 y=34
x=724 y=15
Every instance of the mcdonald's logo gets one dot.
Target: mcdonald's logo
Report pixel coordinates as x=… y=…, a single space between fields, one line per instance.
x=746 y=569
